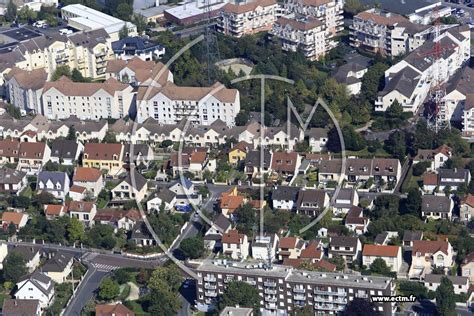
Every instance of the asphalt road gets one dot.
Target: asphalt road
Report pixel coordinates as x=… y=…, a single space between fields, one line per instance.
x=428 y=308
x=85 y=291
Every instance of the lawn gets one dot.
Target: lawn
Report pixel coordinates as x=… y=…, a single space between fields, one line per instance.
x=411 y=181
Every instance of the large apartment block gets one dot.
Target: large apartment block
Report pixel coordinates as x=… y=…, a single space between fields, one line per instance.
x=88 y=101
x=283 y=290
x=378 y=31
x=329 y=12
x=409 y=81
x=303 y=32
x=238 y=19
x=200 y=105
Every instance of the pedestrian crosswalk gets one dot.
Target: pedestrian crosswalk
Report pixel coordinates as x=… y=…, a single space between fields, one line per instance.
x=104 y=267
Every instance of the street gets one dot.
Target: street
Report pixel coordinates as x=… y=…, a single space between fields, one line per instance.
x=428 y=308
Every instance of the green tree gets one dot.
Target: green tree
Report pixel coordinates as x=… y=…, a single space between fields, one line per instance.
x=373 y=81
x=110 y=138
x=76 y=76
x=192 y=247
x=164 y=284
x=14 y=267
x=445 y=298
x=413 y=202
x=241 y=294
x=139 y=22
x=245 y=219
x=413 y=288
x=11 y=13
x=360 y=307
x=62 y=70
x=353 y=7
x=379 y=266
x=396 y=145
x=123 y=33
x=109 y=289
x=13 y=111
x=124 y=11
x=71 y=135
x=339 y=262
x=26 y=14
x=75 y=230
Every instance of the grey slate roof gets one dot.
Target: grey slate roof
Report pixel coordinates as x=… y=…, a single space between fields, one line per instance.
x=38 y=279
x=285 y=193
x=138 y=181
x=57 y=263
x=434 y=203
x=14 y=307
x=344 y=241
x=404 y=81
x=10 y=176
x=253 y=159
x=317 y=133
x=459 y=174
x=410 y=235
x=27 y=252
x=436 y=278
x=166 y=195
x=463 y=81
x=89 y=39
x=397 y=6
x=63 y=148
x=53 y=176
x=222 y=222
x=140 y=231
x=380 y=238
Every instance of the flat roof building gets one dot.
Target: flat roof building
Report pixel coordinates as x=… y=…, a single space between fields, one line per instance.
x=84 y=18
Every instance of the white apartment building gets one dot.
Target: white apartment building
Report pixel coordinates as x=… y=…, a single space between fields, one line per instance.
x=329 y=12
x=201 y=105
x=238 y=19
x=305 y=33
x=23 y=88
x=88 y=101
x=468 y=118
x=409 y=81
x=84 y=18
x=387 y=33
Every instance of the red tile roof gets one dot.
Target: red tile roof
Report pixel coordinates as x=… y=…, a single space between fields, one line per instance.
x=112 y=310
x=81 y=206
x=429 y=246
x=233 y=237
x=84 y=174
x=380 y=251
x=102 y=151
x=54 y=210
x=311 y=251
x=12 y=217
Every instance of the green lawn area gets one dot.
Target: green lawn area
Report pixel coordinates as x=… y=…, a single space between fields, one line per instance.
x=364 y=153
x=27 y=192
x=411 y=181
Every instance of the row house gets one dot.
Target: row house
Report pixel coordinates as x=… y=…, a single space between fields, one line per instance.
x=436 y=207
x=301 y=33
x=349 y=248
x=378 y=31
x=458 y=99
x=254 y=166
x=9 y=150
x=133 y=186
x=452 y=179
x=311 y=202
x=104 y=156
x=329 y=12
x=409 y=81
x=239 y=19
x=468 y=118
x=429 y=253
x=86 y=100
x=66 y=152
x=53 y=211
x=392 y=255
x=138 y=72
x=55 y=183
x=170 y=104
x=467 y=267
x=32 y=157
x=12 y=181
x=460 y=283
x=193 y=160
x=284 y=290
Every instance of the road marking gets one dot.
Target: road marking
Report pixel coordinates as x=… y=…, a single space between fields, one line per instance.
x=104 y=267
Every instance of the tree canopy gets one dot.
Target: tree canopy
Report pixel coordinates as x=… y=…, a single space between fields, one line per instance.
x=241 y=294
x=445 y=298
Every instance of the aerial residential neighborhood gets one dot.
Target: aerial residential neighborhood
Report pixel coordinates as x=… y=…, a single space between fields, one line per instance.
x=253 y=157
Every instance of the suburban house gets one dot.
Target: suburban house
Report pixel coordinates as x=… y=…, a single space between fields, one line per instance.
x=133 y=186
x=235 y=245
x=230 y=201
x=15 y=218
x=428 y=253
x=83 y=211
x=290 y=247
x=104 y=156
x=453 y=178
x=31 y=255
x=317 y=137
x=265 y=246
x=9 y=151
x=32 y=157
x=77 y=193
x=437 y=207
x=13 y=307
x=52 y=211
x=53 y=182
x=163 y=196
x=141 y=235
x=435 y=157
x=311 y=202
x=356 y=221
x=186 y=195
x=284 y=197
x=117 y=218
x=349 y=248
x=89 y=178
x=392 y=255
x=58 y=267
x=253 y=165
x=113 y=310
x=467 y=267
x=409 y=236
x=466 y=208
x=238 y=153
x=12 y=181
x=460 y=283
x=345 y=199
x=213 y=236
x=65 y=152
x=285 y=164
x=35 y=286
x=313 y=252
x=430 y=182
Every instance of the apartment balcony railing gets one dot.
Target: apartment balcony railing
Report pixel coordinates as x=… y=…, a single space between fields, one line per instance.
x=210 y=279
x=298 y=290
x=269 y=284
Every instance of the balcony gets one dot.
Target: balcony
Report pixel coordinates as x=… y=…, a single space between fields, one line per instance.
x=298 y=290
x=316 y=291
x=271 y=299
x=299 y=297
x=210 y=279
x=251 y=282
x=210 y=293
x=361 y=295
x=209 y=286
x=270 y=306
x=269 y=284
x=269 y=291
